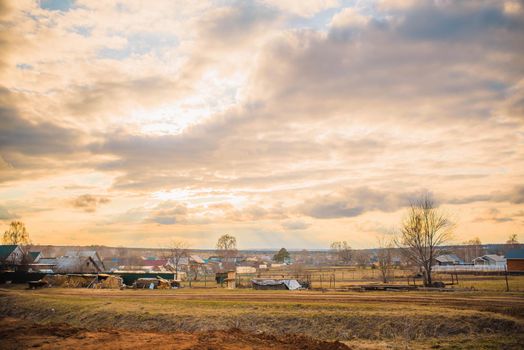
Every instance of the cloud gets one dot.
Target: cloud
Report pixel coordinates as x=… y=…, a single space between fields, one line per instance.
x=255 y=114
x=295 y=225
x=169 y=213
x=514 y=195
x=354 y=202
x=19 y=135
x=303 y=8
x=5 y=214
x=89 y=203
x=494 y=215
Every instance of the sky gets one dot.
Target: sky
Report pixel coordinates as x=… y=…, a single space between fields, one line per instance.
x=286 y=123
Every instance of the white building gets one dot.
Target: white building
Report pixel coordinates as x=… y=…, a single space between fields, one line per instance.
x=490 y=259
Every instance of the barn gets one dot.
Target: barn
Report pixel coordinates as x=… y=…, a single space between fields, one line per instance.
x=515 y=260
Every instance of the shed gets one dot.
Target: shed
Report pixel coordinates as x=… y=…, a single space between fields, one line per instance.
x=448 y=259
x=229 y=277
x=515 y=260
x=270 y=284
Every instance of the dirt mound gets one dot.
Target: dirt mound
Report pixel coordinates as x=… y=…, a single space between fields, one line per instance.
x=282 y=342
x=19 y=334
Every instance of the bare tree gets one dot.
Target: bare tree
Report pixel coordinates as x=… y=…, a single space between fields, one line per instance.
x=16 y=234
x=513 y=241
x=385 y=257
x=227 y=247
x=423 y=231
x=472 y=249
x=362 y=258
x=343 y=251
x=176 y=251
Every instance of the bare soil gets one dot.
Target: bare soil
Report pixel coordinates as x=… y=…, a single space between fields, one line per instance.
x=22 y=334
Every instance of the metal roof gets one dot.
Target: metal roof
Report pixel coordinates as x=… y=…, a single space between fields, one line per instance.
x=6 y=250
x=448 y=258
x=494 y=257
x=515 y=254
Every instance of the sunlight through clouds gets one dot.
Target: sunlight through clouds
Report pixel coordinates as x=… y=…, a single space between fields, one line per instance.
x=304 y=121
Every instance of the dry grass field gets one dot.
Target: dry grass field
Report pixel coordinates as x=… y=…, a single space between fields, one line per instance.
x=249 y=319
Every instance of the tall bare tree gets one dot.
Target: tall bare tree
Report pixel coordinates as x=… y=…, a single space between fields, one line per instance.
x=343 y=251
x=385 y=257
x=513 y=241
x=16 y=234
x=423 y=231
x=472 y=249
x=176 y=251
x=227 y=248
x=362 y=258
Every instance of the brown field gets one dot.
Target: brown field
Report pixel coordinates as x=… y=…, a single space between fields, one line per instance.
x=214 y=318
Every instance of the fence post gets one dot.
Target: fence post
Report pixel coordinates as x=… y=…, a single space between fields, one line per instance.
x=506 y=275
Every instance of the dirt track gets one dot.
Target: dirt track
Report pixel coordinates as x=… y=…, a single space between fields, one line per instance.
x=444 y=298
x=18 y=334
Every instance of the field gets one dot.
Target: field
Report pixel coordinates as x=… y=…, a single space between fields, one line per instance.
x=213 y=318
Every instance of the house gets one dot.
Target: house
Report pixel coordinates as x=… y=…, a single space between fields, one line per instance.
x=77 y=264
x=11 y=254
x=159 y=265
x=490 y=259
x=515 y=260
x=196 y=259
x=46 y=265
x=88 y=253
x=448 y=259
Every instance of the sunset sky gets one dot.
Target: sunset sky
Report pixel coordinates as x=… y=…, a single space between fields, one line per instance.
x=288 y=123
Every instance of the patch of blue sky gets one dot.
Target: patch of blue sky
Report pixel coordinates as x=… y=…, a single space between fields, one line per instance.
x=82 y=30
x=497 y=86
x=57 y=5
x=319 y=21
x=140 y=44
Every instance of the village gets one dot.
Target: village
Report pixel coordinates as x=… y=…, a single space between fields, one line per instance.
x=179 y=266
x=181 y=298
x=262 y=174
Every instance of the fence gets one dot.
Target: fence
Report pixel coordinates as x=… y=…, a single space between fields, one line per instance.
x=469 y=268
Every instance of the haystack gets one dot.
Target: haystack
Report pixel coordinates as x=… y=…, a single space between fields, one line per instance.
x=79 y=281
x=112 y=282
x=55 y=280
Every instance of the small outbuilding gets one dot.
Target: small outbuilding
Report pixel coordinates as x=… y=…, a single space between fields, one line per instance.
x=448 y=259
x=515 y=260
x=271 y=284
